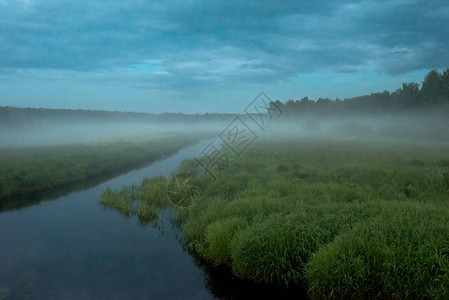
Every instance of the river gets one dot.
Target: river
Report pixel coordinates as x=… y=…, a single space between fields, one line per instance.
x=73 y=248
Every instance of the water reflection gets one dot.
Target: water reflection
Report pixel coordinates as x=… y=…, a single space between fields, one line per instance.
x=73 y=248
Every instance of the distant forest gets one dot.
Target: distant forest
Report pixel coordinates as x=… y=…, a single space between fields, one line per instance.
x=36 y=117
x=432 y=96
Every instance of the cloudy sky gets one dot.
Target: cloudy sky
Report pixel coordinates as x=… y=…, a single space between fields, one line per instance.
x=198 y=56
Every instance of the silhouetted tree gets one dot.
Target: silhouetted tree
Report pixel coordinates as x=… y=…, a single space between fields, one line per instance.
x=431 y=87
x=445 y=84
x=434 y=91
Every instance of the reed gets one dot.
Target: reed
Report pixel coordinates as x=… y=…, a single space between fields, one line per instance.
x=345 y=219
x=30 y=170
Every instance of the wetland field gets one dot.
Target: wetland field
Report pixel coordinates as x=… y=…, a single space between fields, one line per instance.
x=225 y=150
x=323 y=199
x=347 y=218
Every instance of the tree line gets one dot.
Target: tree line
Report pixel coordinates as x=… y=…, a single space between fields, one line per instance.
x=11 y=116
x=434 y=92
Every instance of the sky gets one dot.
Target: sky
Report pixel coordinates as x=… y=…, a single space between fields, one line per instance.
x=212 y=56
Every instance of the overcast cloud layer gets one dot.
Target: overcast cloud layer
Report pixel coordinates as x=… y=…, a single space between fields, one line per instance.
x=212 y=55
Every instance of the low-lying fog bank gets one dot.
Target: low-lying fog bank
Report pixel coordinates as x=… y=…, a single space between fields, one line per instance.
x=66 y=133
x=425 y=126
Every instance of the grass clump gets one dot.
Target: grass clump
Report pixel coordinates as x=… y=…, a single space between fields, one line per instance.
x=121 y=201
x=147 y=199
x=218 y=238
x=143 y=200
x=274 y=250
x=401 y=253
x=345 y=219
x=154 y=191
x=147 y=212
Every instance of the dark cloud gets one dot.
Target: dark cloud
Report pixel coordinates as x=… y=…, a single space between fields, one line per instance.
x=202 y=43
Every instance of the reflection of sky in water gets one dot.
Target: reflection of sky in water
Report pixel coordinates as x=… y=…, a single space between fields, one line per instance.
x=75 y=249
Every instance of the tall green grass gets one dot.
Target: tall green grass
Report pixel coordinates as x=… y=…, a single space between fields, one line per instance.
x=400 y=253
x=31 y=170
x=343 y=218
x=144 y=200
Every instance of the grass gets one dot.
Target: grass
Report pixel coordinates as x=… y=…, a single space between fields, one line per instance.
x=400 y=253
x=143 y=201
x=4 y=292
x=32 y=170
x=342 y=218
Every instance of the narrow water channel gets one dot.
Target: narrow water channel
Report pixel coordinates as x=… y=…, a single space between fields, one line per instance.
x=73 y=248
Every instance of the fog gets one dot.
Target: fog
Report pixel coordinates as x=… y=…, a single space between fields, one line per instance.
x=424 y=127
x=60 y=133
x=418 y=126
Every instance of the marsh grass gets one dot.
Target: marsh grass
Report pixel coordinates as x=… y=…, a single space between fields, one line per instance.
x=4 y=292
x=120 y=201
x=402 y=252
x=345 y=219
x=144 y=200
x=153 y=191
x=31 y=170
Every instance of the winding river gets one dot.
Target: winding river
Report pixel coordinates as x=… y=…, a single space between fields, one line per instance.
x=73 y=248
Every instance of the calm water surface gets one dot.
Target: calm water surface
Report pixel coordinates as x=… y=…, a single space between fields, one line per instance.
x=73 y=248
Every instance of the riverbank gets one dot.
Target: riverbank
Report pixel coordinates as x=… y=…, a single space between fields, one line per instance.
x=29 y=171
x=350 y=218
x=104 y=255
